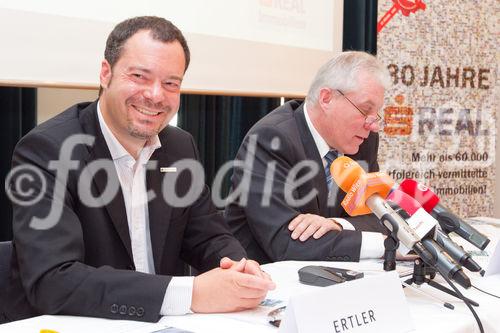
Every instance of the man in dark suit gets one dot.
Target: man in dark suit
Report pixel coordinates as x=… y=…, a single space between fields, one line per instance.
x=115 y=212
x=283 y=196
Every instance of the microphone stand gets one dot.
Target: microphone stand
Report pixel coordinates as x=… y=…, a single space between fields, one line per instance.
x=391 y=244
x=420 y=268
x=419 y=276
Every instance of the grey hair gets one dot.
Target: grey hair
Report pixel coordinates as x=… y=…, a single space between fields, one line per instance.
x=343 y=71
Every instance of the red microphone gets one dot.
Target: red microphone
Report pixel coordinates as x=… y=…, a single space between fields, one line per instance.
x=425 y=197
x=404 y=201
x=447 y=220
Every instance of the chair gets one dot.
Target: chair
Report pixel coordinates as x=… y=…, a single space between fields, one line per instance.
x=5 y=256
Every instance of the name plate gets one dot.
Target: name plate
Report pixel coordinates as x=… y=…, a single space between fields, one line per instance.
x=371 y=304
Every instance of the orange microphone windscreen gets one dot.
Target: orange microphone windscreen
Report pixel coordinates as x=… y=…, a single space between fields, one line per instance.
x=345 y=171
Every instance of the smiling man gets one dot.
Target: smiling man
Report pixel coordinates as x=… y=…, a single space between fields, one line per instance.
x=288 y=207
x=121 y=255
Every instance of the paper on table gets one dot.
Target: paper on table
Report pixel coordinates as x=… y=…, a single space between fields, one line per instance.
x=258 y=315
x=482 y=257
x=483 y=220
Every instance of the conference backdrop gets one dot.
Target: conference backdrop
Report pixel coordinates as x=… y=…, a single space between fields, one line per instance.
x=441 y=107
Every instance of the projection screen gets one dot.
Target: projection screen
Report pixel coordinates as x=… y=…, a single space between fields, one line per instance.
x=239 y=47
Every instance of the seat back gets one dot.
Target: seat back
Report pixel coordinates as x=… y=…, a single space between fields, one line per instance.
x=5 y=257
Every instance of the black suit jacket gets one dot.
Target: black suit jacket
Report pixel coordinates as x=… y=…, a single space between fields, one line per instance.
x=284 y=140
x=83 y=264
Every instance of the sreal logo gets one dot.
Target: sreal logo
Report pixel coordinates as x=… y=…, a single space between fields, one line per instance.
x=398 y=118
x=446 y=121
x=295 y=6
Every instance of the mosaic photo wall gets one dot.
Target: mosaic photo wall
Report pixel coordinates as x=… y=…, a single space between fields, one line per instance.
x=440 y=110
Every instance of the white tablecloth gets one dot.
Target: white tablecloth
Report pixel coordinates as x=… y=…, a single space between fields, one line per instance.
x=429 y=314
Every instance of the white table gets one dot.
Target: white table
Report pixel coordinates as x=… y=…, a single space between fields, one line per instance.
x=429 y=315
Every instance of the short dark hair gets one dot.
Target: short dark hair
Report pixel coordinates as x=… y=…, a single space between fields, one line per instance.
x=160 y=29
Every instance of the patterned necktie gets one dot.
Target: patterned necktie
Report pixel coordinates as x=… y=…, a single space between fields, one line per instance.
x=329 y=158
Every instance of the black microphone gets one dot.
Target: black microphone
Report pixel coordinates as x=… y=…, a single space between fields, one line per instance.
x=448 y=221
x=452 y=223
x=457 y=252
x=445 y=264
x=441 y=259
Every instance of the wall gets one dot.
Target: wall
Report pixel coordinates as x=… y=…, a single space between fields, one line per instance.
x=52 y=101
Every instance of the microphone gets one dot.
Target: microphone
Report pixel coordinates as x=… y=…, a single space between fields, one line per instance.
x=358 y=185
x=414 y=209
x=445 y=251
x=457 y=252
x=365 y=193
x=420 y=221
x=445 y=265
x=448 y=221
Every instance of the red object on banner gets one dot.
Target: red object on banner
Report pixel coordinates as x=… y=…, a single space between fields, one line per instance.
x=405 y=6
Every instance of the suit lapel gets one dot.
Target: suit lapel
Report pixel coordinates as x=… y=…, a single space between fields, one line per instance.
x=159 y=210
x=116 y=208
x=312 y=153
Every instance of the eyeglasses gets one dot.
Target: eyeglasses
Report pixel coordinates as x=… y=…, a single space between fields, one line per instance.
x=369 y=119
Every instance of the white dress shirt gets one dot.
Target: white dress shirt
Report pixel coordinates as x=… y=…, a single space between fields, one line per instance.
x=132 y=177
x=372 y=243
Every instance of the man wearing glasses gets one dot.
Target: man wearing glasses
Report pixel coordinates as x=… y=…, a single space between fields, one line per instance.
x=284 y=204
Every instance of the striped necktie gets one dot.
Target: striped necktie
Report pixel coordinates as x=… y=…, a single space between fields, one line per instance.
x=329 y=158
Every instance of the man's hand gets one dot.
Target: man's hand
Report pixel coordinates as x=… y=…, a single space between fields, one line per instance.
x=306 y=225
x=232 y=287
x=245 y=266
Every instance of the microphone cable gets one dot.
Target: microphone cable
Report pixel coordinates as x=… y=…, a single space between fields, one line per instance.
x=464 y=299
x=483 y=291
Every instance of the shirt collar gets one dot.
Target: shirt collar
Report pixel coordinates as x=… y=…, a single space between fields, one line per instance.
x=321 y=144
x=115 y=147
